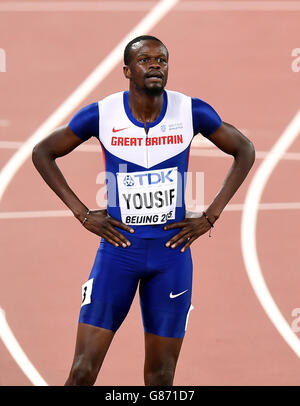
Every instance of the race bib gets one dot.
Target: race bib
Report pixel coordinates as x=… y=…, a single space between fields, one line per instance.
x=87 y=292
x=147 y=197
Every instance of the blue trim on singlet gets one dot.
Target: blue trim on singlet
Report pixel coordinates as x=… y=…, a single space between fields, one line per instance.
x=85 y=123
x=112 y=167
x=205 y=119
x=139 y=123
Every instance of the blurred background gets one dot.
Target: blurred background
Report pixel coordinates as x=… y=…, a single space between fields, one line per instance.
x=243 y=58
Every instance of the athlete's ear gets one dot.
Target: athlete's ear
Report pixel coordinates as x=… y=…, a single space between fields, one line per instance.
x=127 y=72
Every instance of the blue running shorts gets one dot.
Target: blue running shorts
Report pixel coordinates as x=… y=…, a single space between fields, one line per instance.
x=164 y=276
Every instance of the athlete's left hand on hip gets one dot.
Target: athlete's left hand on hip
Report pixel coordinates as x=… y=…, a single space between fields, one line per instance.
x=191 y=229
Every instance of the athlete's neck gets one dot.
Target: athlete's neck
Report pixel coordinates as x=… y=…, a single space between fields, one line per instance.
x=144 y=107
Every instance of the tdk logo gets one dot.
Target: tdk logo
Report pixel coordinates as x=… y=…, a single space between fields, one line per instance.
x=154 y=178
x=128 y=180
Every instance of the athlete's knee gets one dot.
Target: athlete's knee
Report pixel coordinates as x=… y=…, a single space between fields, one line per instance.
x=83 y=373
x=160 y=376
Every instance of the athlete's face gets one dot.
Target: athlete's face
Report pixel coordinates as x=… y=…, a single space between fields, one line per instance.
x=148 y=67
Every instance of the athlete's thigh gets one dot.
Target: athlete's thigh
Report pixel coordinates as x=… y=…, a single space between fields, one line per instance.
x=110 y=289
x=165 y=295
x=161 y=352
x=92 y=344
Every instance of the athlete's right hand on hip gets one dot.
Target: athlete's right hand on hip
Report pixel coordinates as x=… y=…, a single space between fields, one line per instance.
x=103 y=225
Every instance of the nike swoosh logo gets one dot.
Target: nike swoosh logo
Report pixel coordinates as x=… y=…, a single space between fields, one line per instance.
x=119 y=129
x=178 y=294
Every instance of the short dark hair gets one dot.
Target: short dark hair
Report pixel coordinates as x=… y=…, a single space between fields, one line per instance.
x=137 y=39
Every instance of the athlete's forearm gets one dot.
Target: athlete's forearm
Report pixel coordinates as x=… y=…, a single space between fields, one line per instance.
x=243 y=161
x=48 y=169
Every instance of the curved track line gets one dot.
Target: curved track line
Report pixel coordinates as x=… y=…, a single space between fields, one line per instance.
x=82 y=91
x=248 y=233
x=17 y=353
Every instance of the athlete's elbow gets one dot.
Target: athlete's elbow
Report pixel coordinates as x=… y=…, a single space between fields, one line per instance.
x=246 y=151
x=250 y=152
x=35 y=154
x=39 y=154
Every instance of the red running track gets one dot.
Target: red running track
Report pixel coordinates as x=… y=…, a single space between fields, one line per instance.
x=240 y=62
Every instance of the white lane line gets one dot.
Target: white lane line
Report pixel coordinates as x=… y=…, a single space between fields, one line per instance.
x=238 y=6
x=200 y=148
x=82 y=91
x=17 y=353
x=248 y=233
x=216 y=153
x=67 y=213
x=4 y=122
x=35 y=214
x=265 y=206
x=10 y=144
x=131 y=6
x=86 y=87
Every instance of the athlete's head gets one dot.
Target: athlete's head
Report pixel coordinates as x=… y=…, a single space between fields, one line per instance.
x=146 y=64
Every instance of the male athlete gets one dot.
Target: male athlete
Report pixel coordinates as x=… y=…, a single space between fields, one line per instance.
x=145 y=134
